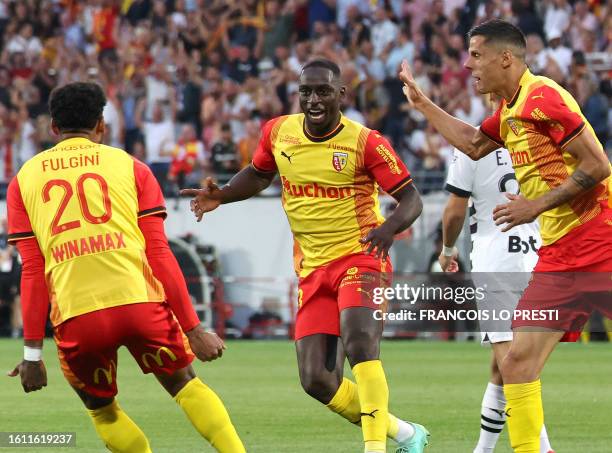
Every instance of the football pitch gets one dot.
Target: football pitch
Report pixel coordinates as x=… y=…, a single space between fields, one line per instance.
x=437 y=384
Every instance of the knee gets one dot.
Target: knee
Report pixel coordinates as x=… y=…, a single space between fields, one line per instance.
x=320 y=386
x=361 y=346
x=518 y=367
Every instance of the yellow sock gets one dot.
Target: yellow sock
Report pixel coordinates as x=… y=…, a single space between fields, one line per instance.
x=209 y=416
x=525 y=416
x=118 y=431
x=374 y=398
x=346 y=404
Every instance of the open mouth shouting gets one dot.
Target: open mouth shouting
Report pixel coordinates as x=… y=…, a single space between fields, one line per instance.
x=316 y=115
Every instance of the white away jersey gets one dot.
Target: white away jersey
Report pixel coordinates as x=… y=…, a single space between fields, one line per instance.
x=485 y=182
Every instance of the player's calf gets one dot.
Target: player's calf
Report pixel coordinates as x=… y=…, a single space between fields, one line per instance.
x=118 y=432
x=208 y=415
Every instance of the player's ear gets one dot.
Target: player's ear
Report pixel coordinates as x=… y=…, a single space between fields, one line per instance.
x=54 y=129
x=507 y=58
x=342 y=92
x=100 y=128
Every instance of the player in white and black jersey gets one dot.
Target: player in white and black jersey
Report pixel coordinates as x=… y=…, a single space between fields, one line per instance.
x=507 y=258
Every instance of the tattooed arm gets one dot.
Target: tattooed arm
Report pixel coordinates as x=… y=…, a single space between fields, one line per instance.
x=593 y=167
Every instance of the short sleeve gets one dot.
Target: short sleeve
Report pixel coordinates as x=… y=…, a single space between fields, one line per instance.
x=547 y=107
x=19 y=226
x=263 y=159
x=150 y=198
x=460 y=180
x=490 y=127
x=383 y=163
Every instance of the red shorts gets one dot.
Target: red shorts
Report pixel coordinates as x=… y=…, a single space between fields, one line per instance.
x=573 y=277
x=87 y=345
x=346 y=282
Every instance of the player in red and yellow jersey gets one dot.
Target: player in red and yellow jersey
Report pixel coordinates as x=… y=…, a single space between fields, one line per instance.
x=563 y=174
x=331 y=169
x=88 y=222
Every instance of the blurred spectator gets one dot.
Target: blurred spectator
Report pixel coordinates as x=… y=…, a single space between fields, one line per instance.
x=582 y=22
x=224 y=157
x=5 y=82
x=279 y=22
x=404 y=50
x=537 y=57
x=561 y=55
x=188 y=95
x=238 y=104
x=595 y=109
x=299 y=57
x=383 y=33
x=158 y=90
x=24 y=42
x=370 y=64
x=187 y=157
x=158 y=139
x=557 y=17
x=243 y=64
x=470 y=109
x=373 y=102
x=248 y=144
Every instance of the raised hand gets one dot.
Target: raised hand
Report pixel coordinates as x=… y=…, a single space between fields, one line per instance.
x=411 y=90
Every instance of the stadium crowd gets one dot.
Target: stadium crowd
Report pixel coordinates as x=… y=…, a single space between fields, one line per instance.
x=189 y=82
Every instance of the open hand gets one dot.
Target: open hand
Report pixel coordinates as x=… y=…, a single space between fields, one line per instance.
x=33 y=375
x=380 y=241
x=206 y=199
x=518 y=211
x=411 y=90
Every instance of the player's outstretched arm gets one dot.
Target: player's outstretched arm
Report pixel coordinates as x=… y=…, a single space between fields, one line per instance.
x=245 y=184
x=461 y=135
x=408 y=209
x=593 y=168
x=452 y=223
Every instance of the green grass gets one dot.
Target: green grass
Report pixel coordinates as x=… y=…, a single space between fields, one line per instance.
x=437 y=384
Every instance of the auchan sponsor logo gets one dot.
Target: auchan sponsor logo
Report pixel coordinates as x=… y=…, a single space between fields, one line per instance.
x=314 y=190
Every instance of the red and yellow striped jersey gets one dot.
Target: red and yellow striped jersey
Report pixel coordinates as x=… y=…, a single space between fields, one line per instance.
x=535 y=127
x=330 y=184
x=81 y=201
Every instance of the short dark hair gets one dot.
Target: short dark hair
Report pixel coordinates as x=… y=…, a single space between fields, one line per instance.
x=500 y=31
x=77 y=105
x=323 y=63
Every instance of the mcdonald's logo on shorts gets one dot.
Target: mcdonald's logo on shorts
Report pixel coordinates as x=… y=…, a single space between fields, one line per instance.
x=157 y=356
x=107 y=373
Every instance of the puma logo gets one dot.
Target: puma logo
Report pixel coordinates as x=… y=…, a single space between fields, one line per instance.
x=371 y=414
x=285 y=155
x=498 y=412
x=367 y=293
x=538 y=96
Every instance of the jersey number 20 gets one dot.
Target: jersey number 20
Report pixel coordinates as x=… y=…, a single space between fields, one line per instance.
x=56 y=226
